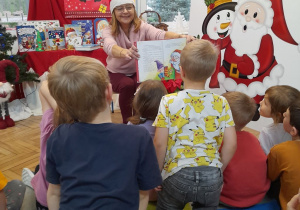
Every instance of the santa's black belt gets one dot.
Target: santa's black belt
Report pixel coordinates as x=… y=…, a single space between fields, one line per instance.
x=234 y=72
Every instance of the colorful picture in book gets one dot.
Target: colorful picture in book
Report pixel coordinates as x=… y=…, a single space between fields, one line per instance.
x=99 y=25
x=170 y=70
x=72 y=35
x=159 y=59
x=86 y=8
x=86 y=30
x=55 y=37
x=26 y=38
x=40 y=26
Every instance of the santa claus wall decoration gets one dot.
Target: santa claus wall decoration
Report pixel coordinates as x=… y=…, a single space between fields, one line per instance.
x=285 y=10
x=261 y=52
x=249 y=64
x=5 y=92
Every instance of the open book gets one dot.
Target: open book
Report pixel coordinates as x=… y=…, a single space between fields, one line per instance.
x=159 y=59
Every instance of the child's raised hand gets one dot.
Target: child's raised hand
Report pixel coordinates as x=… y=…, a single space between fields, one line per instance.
x=158 y=188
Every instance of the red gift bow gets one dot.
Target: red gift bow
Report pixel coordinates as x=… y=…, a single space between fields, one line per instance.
x=172 y=85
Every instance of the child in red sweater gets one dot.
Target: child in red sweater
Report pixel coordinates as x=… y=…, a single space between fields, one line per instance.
x=245 y=178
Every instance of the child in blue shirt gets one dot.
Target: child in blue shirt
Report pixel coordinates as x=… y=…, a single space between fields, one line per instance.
x=93 y=163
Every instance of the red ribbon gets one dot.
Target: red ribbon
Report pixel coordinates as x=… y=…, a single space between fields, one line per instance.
x=172 y=85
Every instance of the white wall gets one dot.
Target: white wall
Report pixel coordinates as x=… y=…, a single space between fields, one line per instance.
x=286 y=54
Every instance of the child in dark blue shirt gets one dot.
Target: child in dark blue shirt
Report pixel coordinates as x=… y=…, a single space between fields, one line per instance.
x=93 y=163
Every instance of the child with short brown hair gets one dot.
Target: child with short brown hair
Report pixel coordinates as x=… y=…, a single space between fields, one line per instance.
x=247 y=169
x=283 y=159
x=83 y=157
x=145 y=104
x=277 y=99
x=190 y=127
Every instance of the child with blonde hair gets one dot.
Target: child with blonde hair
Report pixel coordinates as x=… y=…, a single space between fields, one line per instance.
x=190 y=127
x=94 y=163
x=145 y=104
x=247 y=169
x=283 y=159
x=277 y=99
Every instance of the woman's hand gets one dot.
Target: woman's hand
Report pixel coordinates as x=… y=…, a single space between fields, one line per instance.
x=189 y=38
x=130 y=53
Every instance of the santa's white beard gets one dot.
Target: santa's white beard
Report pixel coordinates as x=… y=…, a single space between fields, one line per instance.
x=246 y=41
x=7 y=89
x=176 y=66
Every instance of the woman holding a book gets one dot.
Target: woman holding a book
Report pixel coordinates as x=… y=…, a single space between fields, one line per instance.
x=124 y=30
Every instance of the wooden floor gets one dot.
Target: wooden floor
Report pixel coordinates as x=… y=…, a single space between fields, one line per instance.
x=20 y=145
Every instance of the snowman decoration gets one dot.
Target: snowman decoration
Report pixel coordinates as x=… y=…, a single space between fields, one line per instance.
x=216 y=28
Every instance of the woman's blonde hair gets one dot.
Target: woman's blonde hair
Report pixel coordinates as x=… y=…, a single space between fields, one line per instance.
x=146 y=101
x=115 y=25
x=280 y=98
x=78 y=85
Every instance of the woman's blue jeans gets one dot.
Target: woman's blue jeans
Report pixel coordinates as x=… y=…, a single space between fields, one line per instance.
x=200 y=185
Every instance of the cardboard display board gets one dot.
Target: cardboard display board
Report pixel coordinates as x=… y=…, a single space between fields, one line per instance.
x=86 y=8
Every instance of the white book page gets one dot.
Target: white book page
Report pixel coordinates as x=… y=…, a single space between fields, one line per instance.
x=149 y=52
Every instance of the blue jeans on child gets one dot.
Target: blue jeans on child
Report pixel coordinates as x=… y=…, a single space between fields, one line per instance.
x=200 y=185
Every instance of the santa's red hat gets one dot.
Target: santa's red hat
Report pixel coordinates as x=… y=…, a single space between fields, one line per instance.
x=279 y=26
x=177 y=51
x=70 y=31
x=3 y=65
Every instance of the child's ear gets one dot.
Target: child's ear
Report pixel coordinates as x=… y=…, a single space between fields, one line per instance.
x=182 y=72
x=294 y=131
x=109 y=93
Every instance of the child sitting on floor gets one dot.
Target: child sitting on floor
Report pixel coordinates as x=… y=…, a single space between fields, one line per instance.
x=15 y=195
x=94 y=163
x=39 y=182
x=283 y=159
x=145 y=104
x=277 y=99
x=245 y=177
x=190 y=127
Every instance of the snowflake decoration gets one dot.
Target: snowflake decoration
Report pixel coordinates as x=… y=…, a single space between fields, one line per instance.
x=102 y=8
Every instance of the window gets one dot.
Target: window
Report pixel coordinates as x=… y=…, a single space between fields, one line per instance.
x=168 y=10
x=13 y=10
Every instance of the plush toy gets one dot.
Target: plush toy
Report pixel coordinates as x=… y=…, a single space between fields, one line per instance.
x=5 y=92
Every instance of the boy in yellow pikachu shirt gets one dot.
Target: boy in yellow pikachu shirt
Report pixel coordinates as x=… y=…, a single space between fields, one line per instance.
x=190 y=128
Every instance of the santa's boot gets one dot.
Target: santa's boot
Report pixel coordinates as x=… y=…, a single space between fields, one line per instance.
x=9 y=122
x=2 y=123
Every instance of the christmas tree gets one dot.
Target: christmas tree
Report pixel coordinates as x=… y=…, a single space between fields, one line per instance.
x=6 y=42
x=39 y=42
